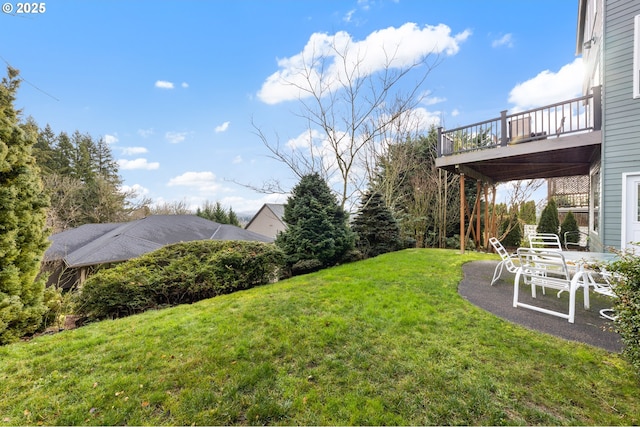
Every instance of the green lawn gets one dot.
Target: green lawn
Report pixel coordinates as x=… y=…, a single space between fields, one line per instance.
x=382 y=341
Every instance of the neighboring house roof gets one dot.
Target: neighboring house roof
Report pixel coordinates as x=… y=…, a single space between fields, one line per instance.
x=93 y=244
x=268 y=221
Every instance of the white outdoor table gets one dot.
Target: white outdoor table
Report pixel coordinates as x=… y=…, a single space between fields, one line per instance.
x=582 y=262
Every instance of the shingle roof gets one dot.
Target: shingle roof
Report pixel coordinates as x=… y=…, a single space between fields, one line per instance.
x=92 y=244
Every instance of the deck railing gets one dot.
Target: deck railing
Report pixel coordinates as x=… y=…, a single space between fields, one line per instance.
x=583 y=114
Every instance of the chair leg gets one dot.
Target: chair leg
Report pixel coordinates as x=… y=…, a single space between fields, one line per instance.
x=497 y=272
x=608 y=313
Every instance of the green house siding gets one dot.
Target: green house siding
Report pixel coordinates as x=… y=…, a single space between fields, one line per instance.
x=621 y=115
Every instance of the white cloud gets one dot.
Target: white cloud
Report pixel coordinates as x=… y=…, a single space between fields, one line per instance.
x=110 y=139
x=163 y=84
x=549 y=87
x=432 y=100
x=201 y=181
x=455 y=112
x=506 y=40
x=244 y=205
x=237 y=160
x=175 y=137
x=223 y=127
x=130 y=151
x=426 y=119
x=145 y=133
x=407 y=44
x=139 y=163
x=349 y=15
x=184 y=85
x=137 y=188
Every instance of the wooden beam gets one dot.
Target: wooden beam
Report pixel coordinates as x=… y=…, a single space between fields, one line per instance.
x=478 y=193
x=473 y=173
x=462 y=215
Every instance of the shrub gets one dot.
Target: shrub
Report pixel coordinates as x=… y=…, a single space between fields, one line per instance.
x=376 y=229
x=628 y=305
x=549 y=222
x=317 y=226
x=176 y=274
x=514 y=237
x=569 y=224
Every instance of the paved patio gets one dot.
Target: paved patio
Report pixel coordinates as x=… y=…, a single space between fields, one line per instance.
x=588 y=328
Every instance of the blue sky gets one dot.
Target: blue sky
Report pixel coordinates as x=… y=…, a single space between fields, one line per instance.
x=174 y=86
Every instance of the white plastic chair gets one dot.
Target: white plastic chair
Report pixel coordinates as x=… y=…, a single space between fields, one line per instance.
x=548 y=241
x=506 y=260
x=547 y=269
x=604 y=287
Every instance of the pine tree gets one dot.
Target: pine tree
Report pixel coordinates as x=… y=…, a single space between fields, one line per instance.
x=549 y=222
x=317 y=233
x=233 y=218
x=376 y=229
x=22 y=220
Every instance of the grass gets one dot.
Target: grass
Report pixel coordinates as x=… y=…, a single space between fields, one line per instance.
x=382 y=341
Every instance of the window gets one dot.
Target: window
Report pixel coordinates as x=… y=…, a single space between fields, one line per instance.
x=595 y=201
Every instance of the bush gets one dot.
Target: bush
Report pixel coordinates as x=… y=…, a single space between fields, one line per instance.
x=514 y=237
x=549 y=222
x=628 y=305
x=569 y=224
x=376 y=229
x=177 y=274
x=317 y=226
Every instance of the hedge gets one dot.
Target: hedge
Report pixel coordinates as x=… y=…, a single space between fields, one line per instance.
x=177 y=274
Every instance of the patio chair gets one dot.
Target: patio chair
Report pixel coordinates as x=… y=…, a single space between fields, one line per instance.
x=547 y=269
x=548 y=241
x=506 y=260
x=604 y=286
x=573 y=245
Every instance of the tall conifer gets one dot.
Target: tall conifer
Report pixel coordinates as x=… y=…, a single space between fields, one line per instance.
x=22 y=221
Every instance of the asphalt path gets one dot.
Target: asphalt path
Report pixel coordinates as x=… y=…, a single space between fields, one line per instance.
x=589 y=326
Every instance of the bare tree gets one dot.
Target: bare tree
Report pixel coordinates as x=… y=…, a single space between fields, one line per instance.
x=518 y=192
x=349 y=109
x=171 y=208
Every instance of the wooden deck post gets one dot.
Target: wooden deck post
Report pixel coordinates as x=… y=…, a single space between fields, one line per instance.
x=478 y=213
x=486 y=215
x=462 y=214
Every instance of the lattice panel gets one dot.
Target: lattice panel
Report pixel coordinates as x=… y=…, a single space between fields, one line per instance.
x=569 y=191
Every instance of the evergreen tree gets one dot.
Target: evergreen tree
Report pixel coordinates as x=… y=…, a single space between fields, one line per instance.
x=215 y=212
x=549 y=221
x=233 y=218
x=317 y=233
x=376 y=229
x=22 y=220
x=82 y=179
x=569 y=224
x=514 y=237
x=528 y=212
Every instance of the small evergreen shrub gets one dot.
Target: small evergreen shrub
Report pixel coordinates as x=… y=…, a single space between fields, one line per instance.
x=306 y=266
x=570 y=225
x=628 y=305
x=317 y=227
x=514 y=236
x=549 y=222
x=177 y=274
x=377 y=231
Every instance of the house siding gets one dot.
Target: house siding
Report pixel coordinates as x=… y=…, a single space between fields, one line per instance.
x=621 y=127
